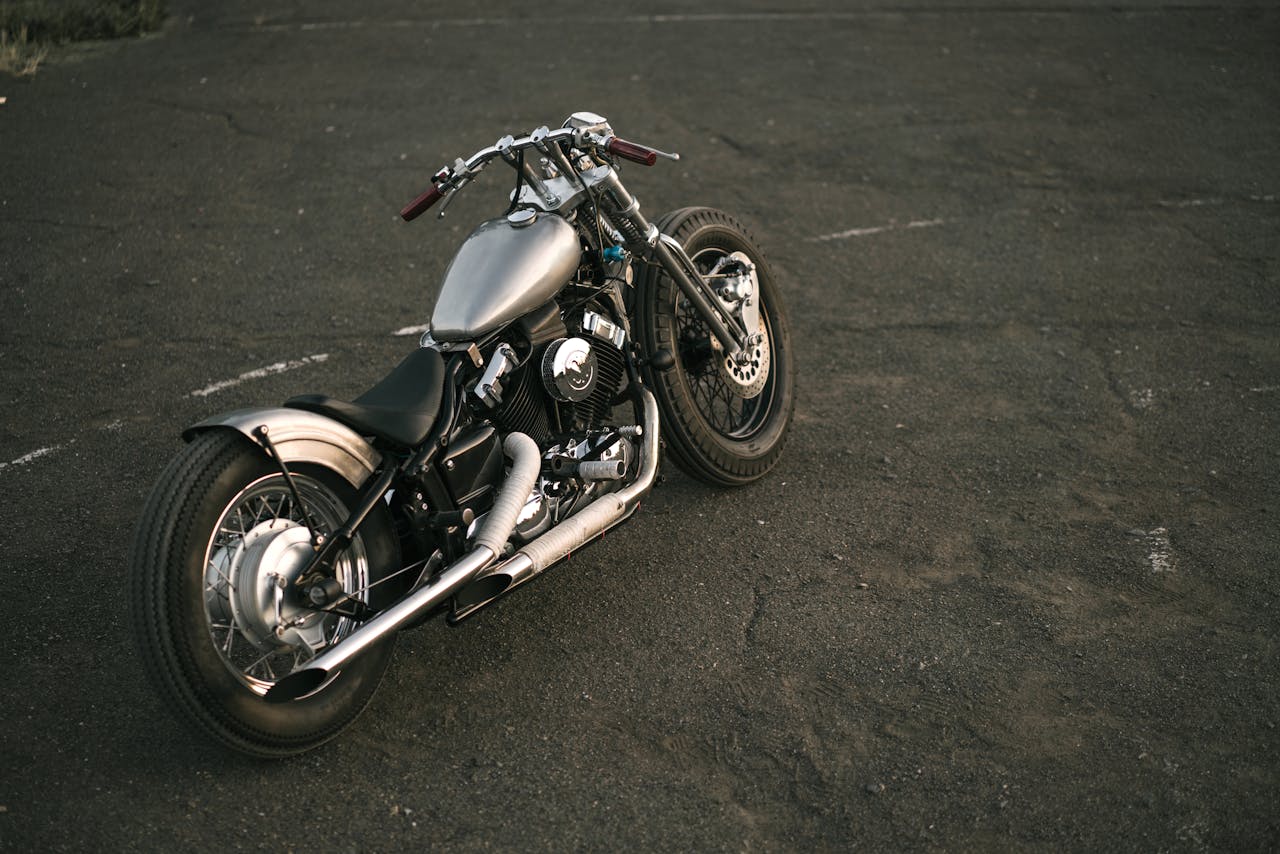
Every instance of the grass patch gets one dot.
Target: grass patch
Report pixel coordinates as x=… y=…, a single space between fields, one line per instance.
x=29 y=27
x=18 y=55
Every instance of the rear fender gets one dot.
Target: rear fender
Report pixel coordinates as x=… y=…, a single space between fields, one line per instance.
x=301 y=436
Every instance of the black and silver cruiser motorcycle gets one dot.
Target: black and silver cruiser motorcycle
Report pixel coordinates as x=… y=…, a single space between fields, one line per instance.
x=283 y=549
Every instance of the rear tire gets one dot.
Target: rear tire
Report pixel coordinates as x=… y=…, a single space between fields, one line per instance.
x=715 y=430
x=218 y=523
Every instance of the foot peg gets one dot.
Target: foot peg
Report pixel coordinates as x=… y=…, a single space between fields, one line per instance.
x=589 y=470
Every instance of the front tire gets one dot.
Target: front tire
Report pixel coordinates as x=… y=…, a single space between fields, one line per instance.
x=722 y=423
x=218 y=533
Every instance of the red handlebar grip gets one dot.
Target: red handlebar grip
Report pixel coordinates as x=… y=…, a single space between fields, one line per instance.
x=416 y=207
x=631 y=151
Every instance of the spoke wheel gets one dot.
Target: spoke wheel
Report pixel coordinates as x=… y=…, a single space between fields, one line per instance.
x=725 y=421
x=256 y=619
x=216 y=612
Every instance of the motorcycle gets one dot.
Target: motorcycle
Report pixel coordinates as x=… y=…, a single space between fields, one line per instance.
x=284 y=548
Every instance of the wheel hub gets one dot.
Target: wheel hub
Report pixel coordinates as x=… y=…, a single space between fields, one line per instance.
x=262 y=568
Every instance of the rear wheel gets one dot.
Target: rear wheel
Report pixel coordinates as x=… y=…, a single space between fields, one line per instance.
x=217 y=614
x=725 y=421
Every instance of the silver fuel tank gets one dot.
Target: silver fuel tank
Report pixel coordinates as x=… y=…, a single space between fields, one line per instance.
x=505 y=268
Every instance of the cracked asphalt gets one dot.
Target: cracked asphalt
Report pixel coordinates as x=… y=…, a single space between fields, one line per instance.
x=1012 y=586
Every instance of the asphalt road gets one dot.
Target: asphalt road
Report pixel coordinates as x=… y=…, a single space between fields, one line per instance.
x=1013 y=584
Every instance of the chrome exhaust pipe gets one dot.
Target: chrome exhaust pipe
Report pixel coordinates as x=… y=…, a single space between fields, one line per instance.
x=573 y=533
x=501 y=521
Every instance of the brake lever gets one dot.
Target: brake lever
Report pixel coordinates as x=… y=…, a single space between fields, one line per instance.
x=461 y=176
x=448 y=199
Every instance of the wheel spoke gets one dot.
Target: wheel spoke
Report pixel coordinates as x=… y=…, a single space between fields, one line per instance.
x=261 y=662
x=223 y=576
x=702 y=392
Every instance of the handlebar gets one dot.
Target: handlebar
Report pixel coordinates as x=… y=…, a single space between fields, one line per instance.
x=418 y=206
x=631 y=151
x=592 y=138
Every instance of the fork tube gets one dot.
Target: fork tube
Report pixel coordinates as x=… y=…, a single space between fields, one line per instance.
x=624 y=210
x=695 y=294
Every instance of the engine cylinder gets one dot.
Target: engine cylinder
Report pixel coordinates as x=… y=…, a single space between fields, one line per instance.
x=523 y=406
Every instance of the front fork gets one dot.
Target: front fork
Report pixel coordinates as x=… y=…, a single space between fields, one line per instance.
x=727 y=329
x=624 y=211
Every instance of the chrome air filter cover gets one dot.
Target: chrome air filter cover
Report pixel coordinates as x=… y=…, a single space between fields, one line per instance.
x=569 y=369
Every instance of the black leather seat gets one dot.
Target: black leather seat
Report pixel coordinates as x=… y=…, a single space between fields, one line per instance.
x=400 y=409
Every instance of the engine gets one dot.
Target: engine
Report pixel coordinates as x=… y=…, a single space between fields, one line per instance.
x=557 y=380
x=566 y=385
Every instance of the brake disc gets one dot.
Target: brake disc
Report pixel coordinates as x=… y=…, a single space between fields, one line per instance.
x=746 y=377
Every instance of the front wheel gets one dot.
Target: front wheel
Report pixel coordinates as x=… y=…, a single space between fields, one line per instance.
x=217 y=614
x=724 y=421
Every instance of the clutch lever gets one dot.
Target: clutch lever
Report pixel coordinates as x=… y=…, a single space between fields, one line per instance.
x=462 y=176
x=448 y=199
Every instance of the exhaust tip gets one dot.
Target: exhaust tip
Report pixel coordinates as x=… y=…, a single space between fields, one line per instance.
x=483 y=589
x=296 y=685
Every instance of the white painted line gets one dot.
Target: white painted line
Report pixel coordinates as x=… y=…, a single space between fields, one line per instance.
x=411 y=330
x=1160 y=555
x=259 y=373
x=332 y=25
x=1142 y=398
x=855 y=232
x=435 y=23
x=623 y=20
x=1188 y=203
x=876 y=229
x=31 y=457
x=1211 y=201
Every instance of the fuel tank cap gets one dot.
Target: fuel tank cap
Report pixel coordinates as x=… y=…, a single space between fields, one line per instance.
x=522 y=217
